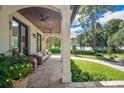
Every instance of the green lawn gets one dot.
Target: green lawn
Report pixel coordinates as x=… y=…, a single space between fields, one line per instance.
x=95 y=57
x=86 y=56
x=94 y=67
x=121 y=55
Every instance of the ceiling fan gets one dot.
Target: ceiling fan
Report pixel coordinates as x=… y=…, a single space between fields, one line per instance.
x=44 y=17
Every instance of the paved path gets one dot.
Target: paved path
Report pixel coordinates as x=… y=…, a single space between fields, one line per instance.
x=121 y=68
x=47 y=75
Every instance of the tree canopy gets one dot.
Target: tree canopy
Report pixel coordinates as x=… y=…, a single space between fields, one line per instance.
x=53 y=42
x=88 y=18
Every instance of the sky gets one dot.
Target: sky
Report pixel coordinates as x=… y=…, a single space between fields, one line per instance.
x=117 y=13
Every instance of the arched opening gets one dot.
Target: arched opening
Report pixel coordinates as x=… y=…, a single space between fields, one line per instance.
x=38 y=21
x=53 y=44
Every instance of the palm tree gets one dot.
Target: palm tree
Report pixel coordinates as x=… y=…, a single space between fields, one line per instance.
x=89 y=16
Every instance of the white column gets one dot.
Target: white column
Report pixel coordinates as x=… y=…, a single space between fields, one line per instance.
x=65 y=34
x=61 y=47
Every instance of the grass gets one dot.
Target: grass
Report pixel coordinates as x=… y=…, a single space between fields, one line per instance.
x=121 y=55
x=105 y=57
x=87 y=56
x=95 y=57
x=94 y=67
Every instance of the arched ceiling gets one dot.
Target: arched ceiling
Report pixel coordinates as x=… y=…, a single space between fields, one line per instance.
x=51 y=25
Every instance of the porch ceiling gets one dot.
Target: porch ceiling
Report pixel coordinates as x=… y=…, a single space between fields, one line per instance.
x=51 y=25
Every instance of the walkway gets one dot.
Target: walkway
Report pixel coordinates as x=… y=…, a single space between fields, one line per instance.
x=47 y=75
x=121 y=68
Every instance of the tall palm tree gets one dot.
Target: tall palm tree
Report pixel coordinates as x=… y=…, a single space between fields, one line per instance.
x=89 y=18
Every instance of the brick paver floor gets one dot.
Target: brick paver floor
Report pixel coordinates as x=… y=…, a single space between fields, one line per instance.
x=48 y=74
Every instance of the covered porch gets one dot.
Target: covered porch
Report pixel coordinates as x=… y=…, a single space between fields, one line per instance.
x=35 y=24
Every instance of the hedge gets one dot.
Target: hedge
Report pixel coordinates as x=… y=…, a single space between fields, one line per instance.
x=85 y=52
x=55 y=50
x=84 y=76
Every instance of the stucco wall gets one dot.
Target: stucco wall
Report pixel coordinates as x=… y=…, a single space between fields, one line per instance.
x=4 y=32
x=32 y=30
x=6 y=35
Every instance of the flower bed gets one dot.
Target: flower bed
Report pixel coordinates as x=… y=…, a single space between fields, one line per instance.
x=12 y=69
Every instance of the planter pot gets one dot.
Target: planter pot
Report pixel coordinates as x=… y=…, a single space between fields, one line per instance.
x=20 y=83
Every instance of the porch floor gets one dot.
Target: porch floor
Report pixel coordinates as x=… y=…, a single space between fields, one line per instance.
x=48 y=74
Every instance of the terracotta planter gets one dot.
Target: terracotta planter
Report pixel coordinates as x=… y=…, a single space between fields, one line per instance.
x=20 y=83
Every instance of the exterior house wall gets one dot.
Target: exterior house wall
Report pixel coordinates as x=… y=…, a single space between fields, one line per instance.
x=6 y=33
x=32 y=30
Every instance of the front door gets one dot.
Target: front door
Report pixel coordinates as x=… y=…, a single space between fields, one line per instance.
x=20 y=36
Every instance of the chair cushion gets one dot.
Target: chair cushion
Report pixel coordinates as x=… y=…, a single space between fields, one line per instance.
x=45 y=57
x=39 y=54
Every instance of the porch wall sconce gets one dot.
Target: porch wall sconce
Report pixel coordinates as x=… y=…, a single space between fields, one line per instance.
x=10 y=25
x=34 y=35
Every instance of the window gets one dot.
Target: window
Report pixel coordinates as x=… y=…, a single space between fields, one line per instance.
x=15 y=35
x=19 y=36
x=39 y=47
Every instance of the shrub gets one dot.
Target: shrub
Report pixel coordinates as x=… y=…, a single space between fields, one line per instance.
x=5 y=80
x=20 y=71
x=76 y=72
x=85 y=52
x=115 y=56
x=99 y=55
x=75 y=51
x=21 y=59
x=83 y=76
x=55 y=50
x=13 y=67
x=101 y=51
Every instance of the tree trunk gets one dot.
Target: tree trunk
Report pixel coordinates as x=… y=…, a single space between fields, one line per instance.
x=81 y=47
x=84 y=47
x=94 y=35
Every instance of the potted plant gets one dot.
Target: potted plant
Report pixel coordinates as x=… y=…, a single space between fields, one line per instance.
x=14 y=70
x=19 y=74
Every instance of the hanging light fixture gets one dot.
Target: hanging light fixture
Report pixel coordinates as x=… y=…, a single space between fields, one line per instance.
x=43 y=17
